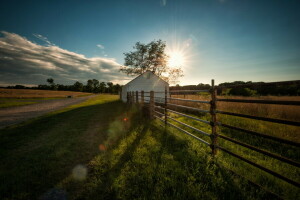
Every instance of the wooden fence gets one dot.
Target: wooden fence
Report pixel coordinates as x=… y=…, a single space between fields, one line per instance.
x=160 y=107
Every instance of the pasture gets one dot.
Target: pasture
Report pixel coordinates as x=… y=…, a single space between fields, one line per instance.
x=21 y=97
x=287 y=132
x=34 y=94
x=5 y=103
x=105 y=149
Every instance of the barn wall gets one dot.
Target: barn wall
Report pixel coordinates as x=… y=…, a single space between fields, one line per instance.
x=146 y=82
x=124 y=93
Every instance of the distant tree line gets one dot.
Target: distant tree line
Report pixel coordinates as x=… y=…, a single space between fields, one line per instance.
x=200 y=86
x=250 y=88
x=93 y=86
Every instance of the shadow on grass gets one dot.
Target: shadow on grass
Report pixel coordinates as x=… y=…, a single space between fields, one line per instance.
x=37 y=155
x=105 y=189
x=213 y=180
x=158 y=165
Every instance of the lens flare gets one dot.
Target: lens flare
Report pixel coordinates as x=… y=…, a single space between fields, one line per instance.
x=176 y=59
x=181 y=51
x=102 y=147
x=54 y=193
x=79 y=172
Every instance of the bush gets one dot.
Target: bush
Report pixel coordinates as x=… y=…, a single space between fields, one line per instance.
x=242 y=92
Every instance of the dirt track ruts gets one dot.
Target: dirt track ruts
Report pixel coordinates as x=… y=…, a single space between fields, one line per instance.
x=14 y=115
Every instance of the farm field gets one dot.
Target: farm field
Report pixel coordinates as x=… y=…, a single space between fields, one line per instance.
x=21 y=97
x=103 y=149
x=285 y=112
x=6 y=103
x=37 y=94
x=287 y=132
x=37 y=155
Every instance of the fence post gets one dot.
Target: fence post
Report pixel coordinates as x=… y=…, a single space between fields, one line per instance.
x=128 y=97
x=137 y=97
x=214 y=136
x=142 y=96
x=132 y=97
x=151 y=105
x=166 y=100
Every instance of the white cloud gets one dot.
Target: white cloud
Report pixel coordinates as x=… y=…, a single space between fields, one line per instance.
x=100 y=46
x=24 y=62
x=43 y=38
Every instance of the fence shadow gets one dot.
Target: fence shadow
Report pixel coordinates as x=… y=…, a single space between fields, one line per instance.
x=37 y=155
x=104 y=189
x=205 y=170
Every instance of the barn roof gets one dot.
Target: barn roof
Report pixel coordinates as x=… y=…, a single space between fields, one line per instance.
x=144 y=73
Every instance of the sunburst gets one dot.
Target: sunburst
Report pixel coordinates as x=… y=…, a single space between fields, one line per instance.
x=176 y=59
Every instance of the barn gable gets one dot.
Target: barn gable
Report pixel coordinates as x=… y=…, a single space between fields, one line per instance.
x=145 y=82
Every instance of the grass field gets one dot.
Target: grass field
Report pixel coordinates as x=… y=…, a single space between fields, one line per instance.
x=21 y=97
x=102 y=149
x=33 y=94
x=282 y=131
x=11 y=103
x=39 y=154
x=263 y=110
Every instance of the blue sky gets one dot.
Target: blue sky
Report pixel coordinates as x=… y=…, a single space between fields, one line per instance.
x=226 y=40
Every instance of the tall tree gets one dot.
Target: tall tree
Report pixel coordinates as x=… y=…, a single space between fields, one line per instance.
x=89 y=85
x=52 y=84
x=50 y=81
x=102 y=87
x=78 y=86
x=116 y=89
x=95 y=85
x=110 y=86
x=150 y=57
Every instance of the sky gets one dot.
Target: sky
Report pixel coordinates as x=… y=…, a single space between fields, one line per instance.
x=225 y=40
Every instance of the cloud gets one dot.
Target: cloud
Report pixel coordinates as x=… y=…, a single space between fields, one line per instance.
x=24 y=62
x=45 y=39
x=163 y=2
x=100 y=46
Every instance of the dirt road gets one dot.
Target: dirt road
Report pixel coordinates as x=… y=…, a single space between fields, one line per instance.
x=15 y=115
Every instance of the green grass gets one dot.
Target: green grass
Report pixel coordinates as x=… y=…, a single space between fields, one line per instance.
x=36 y=155
x=31 y=99
x=257 y=176
x=12 y=102
x=88 y=151
x=7 y=104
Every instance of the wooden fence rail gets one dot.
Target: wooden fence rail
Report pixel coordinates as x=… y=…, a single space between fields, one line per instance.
x=164 y=107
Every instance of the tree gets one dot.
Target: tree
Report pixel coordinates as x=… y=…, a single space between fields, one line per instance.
x=116 y=89
x=242 y=92
x=95 y=85
x=52 y=84
x=150 y=57
x=89 y=86
x=50 y=81
x=78 y=86
x=102 y=87
x=110 y=86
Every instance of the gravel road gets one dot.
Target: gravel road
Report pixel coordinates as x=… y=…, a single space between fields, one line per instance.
x=15 y=115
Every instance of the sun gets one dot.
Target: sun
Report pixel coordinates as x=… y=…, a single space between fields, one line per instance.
x=176 y=59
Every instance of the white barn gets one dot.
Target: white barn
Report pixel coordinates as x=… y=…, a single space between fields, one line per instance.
x=146 y=82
